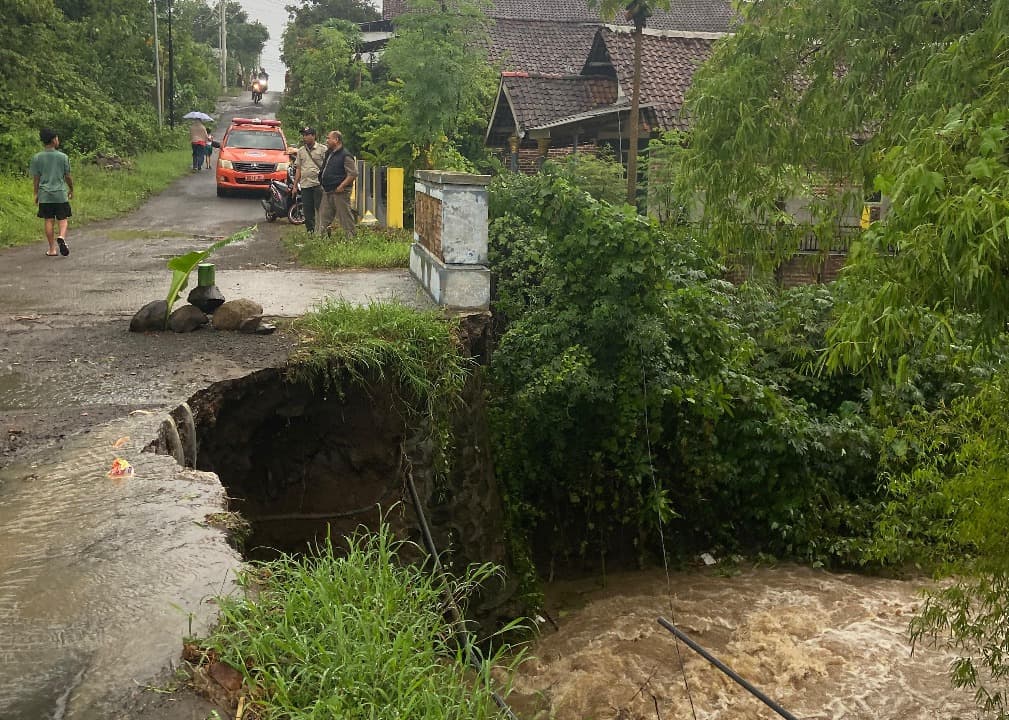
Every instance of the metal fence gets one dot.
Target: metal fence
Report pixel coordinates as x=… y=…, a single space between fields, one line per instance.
x=378 y=195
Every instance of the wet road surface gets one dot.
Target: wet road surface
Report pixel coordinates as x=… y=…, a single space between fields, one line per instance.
x=100 y=579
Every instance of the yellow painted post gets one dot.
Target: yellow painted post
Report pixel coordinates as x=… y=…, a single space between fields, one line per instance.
x=394 y=198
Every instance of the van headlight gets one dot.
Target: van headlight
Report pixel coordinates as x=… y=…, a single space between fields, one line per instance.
x=226 y=164
x=282 y=166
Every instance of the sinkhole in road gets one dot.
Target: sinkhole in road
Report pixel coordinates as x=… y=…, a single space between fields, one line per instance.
x=296 y=462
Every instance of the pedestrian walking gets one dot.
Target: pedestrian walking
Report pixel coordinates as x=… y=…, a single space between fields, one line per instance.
x=308 y=163
x=339 y=170
x=198 y=138
x=54 y=189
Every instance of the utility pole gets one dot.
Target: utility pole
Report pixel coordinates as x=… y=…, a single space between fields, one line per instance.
x=171 y=71
x=224 y=46
x=157 y=65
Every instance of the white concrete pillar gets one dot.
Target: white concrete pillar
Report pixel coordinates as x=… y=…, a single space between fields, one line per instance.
x=449 y=252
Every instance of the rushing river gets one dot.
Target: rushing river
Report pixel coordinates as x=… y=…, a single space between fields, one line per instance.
x=824 y=646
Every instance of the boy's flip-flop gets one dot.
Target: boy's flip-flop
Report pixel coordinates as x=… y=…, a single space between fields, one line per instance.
x=55 y=254
x=64 y=248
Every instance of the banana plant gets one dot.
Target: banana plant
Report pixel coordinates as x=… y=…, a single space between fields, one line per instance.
x=182 y=265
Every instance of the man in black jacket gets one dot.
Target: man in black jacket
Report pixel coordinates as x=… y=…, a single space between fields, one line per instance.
x=336 y=177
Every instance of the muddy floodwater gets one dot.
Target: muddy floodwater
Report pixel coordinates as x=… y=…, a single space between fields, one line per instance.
x=824 y=646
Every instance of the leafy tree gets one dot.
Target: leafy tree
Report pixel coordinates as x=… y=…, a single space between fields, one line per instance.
x=245 y=39
x=446 y=84
x=832 y=99
x=87 y=69
x=328 y=87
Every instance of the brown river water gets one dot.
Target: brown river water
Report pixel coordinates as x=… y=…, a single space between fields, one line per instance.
x=823 y=646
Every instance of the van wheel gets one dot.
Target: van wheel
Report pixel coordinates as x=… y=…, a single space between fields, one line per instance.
x=221 y=192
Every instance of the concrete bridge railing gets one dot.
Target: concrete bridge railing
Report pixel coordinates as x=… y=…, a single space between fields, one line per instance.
x=449 y=253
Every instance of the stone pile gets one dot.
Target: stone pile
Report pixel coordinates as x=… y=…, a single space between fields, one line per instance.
x=242 y=315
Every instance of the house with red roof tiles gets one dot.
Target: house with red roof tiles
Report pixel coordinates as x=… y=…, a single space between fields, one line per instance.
x=537 y=114
x=566 y=75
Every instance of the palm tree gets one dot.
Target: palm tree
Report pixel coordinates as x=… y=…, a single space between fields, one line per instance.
x=638 y=11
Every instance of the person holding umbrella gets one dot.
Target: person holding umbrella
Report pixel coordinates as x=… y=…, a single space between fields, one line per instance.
x=198 y=137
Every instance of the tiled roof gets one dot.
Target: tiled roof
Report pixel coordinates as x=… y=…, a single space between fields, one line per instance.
x=393 y=9
x=667 y=68
x=537 y=46
x=683 y=15
x=539 y=99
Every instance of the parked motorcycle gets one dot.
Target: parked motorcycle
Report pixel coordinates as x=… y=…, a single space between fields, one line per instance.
x=258 y=88
x=284 y=200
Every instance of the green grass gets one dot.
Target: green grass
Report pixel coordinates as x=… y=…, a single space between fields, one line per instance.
x=417 y=350
x=374 y=247
x=359 y=636
x=98 y=193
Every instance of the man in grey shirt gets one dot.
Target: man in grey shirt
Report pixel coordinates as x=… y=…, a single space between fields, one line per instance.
x=54 y=189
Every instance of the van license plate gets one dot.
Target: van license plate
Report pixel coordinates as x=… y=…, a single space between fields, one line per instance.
x=254 y=178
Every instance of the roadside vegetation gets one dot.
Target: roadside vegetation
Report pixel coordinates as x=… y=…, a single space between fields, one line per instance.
x=86 y=69
x=357 y=633
x=416 y=352
x=371 y=247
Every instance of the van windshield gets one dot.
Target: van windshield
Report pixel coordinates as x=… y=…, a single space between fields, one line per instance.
x=256 y=140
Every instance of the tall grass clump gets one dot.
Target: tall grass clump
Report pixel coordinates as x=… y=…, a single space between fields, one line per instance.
x=416 y=350
x=357 y=636
x=369 y=248
x=98 y=193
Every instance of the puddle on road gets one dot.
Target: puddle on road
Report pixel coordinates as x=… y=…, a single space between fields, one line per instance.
x=98 y=577
x=824 y=646
x=21 y=391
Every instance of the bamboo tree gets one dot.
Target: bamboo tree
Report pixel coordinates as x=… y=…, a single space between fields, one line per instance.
x=833 y=99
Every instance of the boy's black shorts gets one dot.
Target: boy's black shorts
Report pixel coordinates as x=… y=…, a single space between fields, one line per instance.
x=59 y=211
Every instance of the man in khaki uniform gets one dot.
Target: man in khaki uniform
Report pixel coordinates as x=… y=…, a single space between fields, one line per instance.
x=307 y=163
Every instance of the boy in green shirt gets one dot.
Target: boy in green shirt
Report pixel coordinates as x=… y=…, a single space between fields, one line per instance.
x=54 y=188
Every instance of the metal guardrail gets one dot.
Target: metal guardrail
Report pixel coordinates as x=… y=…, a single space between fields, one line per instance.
x=377 y=197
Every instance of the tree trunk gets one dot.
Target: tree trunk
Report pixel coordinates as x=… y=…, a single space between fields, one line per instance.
x=632 y=140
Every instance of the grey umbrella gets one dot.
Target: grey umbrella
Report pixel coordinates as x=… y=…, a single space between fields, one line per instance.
x=196 y=115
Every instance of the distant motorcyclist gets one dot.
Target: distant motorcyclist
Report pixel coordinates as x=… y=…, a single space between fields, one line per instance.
x=258 y=89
